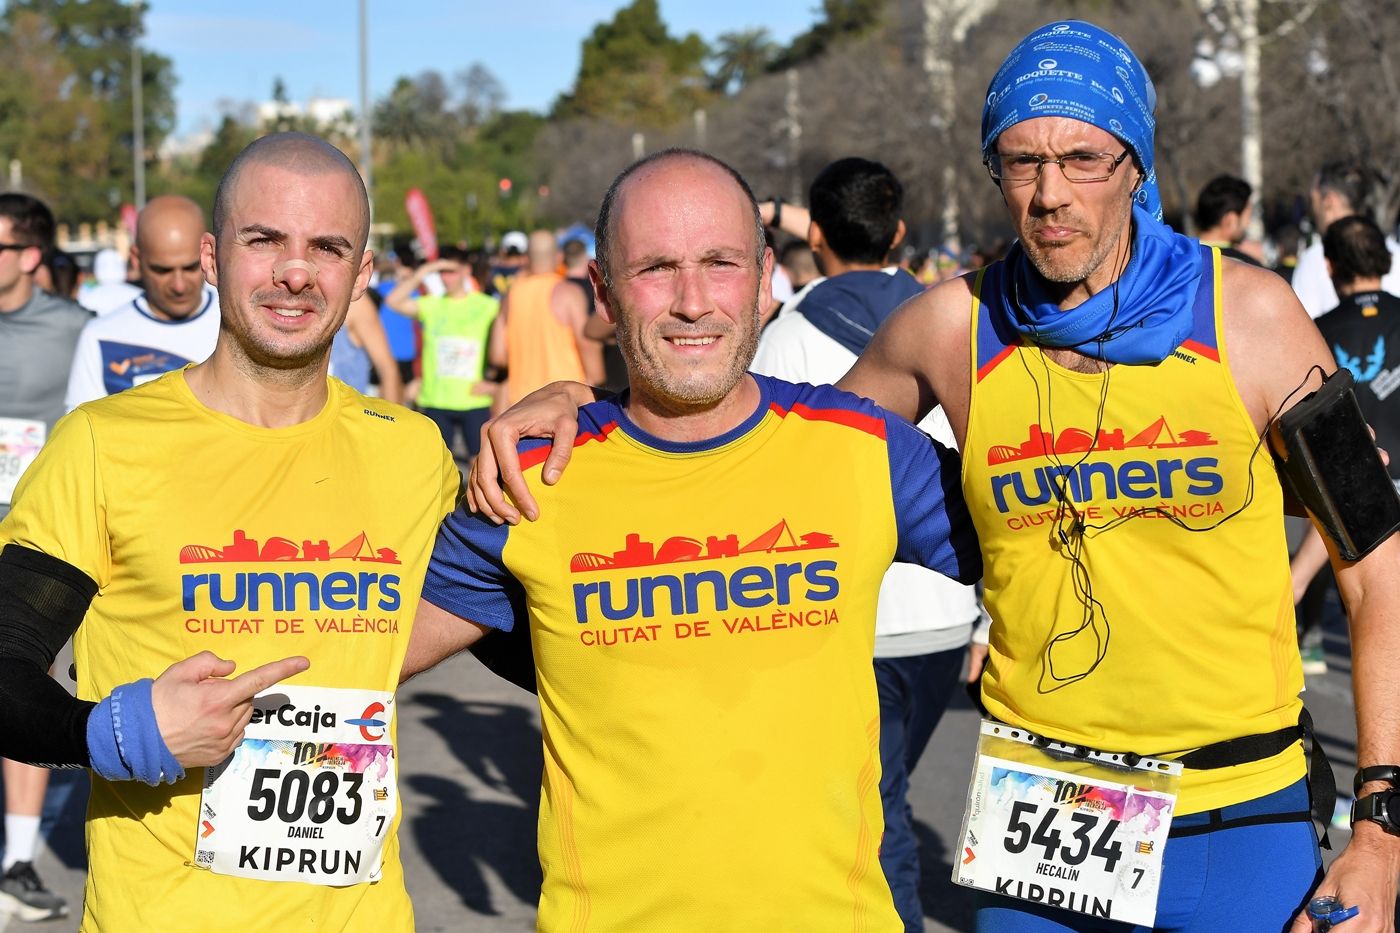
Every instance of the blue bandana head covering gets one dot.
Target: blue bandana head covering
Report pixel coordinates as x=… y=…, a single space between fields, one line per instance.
x=1077 y=70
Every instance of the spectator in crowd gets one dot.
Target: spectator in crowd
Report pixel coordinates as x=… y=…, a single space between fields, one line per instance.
x=110 y=289
x=1340 y=189
x=538 y=336
x=38 y=332
x=174 y=320
x=1223 y=211
x=456 y=333
x=924 y=620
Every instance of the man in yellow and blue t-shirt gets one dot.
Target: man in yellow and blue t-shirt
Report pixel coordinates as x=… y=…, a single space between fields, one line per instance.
x=701 y=597
x=251 y=509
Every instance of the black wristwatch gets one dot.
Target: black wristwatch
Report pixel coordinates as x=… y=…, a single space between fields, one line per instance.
x=777 y=220
x=1382 y=807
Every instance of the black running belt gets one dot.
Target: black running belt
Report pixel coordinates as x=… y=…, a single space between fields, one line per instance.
x=1322 y=786
x=1240 y=751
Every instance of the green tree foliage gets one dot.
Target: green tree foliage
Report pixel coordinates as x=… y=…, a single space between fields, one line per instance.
x=739 y=57
x=452 y=140
x=635 y=72
x=841 y=20
x=75 y=80
x=198 y=178
x=43 y=125
x=416 y=115
x=481 y=94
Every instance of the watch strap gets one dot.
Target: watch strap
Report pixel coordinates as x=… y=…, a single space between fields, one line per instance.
x=1388 y=773
x=1376 y=807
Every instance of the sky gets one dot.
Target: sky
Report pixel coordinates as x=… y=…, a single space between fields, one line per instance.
x=532 y=46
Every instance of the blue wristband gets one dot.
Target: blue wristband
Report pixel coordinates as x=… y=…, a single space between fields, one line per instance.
x=124 y=741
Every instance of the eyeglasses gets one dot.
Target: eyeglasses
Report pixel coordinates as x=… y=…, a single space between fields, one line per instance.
x=14 y=246
x=1077 y=166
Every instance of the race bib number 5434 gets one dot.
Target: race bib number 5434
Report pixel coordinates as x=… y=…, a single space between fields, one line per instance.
x=309 y=794
x=1083 y=832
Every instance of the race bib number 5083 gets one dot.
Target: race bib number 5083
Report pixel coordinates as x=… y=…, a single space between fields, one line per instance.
x=309 y=794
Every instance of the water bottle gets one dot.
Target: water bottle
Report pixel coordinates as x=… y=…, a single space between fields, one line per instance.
x=1326 y=912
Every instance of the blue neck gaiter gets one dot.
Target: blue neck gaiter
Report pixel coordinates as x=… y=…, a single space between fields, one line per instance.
x=1141 y=318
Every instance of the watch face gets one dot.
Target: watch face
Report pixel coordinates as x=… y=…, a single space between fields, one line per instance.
x=1381 y=808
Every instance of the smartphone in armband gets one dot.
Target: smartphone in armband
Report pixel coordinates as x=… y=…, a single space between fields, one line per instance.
x=1331 y=462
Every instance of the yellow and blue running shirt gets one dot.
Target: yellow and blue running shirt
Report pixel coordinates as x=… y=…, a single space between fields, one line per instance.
x=1190 y=639
x=703 y=621
x=206 y=533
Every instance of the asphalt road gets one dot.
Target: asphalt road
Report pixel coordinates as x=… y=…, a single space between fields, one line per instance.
x=471 y=763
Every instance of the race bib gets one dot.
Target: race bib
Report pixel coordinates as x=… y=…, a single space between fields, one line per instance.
x=20 y=440
x=308 y=795
x=1084 y=833
x=458 y=358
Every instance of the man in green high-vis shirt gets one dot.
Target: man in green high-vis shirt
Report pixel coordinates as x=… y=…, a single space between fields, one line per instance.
x=456 y=328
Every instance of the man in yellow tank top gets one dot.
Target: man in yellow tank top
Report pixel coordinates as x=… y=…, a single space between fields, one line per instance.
x=538 y=336
x=1130 y=375
x=247 y=513
x=1109 y=385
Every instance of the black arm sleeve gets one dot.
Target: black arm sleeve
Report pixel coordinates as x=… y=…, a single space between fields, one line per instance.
x=42 y=603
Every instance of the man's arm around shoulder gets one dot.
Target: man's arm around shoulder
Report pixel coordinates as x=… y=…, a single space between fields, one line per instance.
x=437 y=636
x=920 y=357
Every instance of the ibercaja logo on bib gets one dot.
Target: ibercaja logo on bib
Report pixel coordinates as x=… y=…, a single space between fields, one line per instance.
x=273 y=709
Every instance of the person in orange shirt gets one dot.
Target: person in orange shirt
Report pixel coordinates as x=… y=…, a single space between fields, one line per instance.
x=538 y=336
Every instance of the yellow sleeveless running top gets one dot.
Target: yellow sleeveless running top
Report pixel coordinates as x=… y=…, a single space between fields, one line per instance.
x=1166 y=624
x=540 y=349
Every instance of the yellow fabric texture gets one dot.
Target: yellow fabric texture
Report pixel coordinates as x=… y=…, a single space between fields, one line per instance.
x=747 y=751
x=540 y=348
x=143 y=490
x=1193 y=631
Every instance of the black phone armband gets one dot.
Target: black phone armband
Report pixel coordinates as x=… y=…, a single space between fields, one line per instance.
x=1330 y=461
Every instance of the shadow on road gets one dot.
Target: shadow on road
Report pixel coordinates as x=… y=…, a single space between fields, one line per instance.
x=944 y=902
x=466 y=832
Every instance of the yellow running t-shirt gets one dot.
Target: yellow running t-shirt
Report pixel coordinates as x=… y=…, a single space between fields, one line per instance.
x=703 y=621
x=206 y=533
